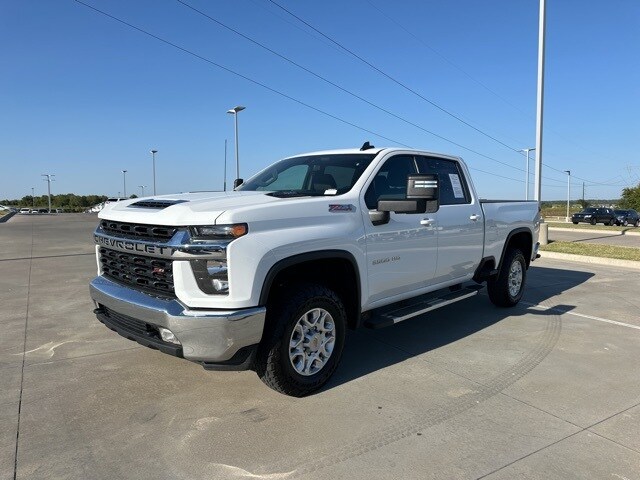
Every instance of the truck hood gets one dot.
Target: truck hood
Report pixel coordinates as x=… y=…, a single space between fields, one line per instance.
x=200 y=208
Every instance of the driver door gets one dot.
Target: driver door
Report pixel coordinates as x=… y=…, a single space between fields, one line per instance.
x=402 y=253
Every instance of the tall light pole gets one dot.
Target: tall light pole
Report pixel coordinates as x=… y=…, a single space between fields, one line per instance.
x=141 y=187
x=48 y=180
x=526 y=193
x=33 y=198
x=224 y=183
x=568 y=172
x=153 y=154
x=234 y=111
x=124 y=182
x=540 y=100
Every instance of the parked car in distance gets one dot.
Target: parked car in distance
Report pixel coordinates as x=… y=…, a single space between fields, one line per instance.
x=24 y=211
x=627 y=217
x=594 y=215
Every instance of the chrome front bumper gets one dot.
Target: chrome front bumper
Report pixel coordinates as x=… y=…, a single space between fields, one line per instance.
x=206 y=336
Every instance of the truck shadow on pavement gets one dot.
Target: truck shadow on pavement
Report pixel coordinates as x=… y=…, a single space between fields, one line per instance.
x=367 y=351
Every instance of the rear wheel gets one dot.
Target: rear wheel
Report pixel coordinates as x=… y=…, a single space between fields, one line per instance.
x=303 y=344
x=575 y=223
x=507 y=288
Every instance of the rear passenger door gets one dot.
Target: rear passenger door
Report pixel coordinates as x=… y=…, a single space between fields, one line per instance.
x=460 y=221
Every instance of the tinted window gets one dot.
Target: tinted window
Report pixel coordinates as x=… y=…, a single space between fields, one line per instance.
x=390 y=182
x=453 y=186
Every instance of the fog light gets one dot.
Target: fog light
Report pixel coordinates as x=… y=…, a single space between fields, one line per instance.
x=220 y=285
x=168 y=336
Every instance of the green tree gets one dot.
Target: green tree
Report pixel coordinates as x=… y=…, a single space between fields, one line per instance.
x=631 y=198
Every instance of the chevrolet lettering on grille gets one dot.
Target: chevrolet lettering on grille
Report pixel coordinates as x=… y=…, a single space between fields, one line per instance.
x=130 y=246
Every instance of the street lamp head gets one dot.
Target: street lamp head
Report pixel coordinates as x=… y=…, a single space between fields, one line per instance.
x=124 y=171
x=568 y=172
x=237 y=109
x=154 y=151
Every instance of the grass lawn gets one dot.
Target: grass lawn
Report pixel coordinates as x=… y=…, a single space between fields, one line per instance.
x=594 y=250
x=588 y=226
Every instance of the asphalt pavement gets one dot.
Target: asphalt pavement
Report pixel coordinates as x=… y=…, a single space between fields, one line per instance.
x=546 y=390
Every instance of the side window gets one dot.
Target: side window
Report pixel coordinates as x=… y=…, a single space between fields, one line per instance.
x=391 y=180
x=453 y=186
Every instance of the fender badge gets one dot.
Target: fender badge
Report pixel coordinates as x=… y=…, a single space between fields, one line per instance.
x=342 y=208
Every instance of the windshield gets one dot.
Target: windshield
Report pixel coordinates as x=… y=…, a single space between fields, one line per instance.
x=331 y=174
x=589 y=210
x=621 y=212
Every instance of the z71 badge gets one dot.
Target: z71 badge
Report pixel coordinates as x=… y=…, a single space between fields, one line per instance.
x=342 y=208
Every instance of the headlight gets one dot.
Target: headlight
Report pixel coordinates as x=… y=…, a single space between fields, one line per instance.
x=219 y=232
x=587 y=216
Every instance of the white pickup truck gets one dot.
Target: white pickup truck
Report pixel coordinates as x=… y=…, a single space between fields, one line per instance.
x=271 y=275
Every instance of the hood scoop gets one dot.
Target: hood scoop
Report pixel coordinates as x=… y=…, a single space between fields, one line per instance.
x=156 y=204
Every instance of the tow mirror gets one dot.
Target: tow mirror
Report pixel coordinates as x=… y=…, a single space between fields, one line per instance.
x=422 y=196
x=237 y=182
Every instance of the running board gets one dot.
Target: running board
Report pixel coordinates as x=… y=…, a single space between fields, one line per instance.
x=391 y=317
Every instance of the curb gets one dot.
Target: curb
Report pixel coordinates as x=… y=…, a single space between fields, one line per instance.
x=611 y=262
x=7 y=217
x=585 y=230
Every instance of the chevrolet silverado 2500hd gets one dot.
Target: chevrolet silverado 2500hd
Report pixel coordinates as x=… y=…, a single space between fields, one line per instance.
x=271 y=275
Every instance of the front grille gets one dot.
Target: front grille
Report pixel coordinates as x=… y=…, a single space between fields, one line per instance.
x=133 y=325
x=151 y=275
x=154 y=233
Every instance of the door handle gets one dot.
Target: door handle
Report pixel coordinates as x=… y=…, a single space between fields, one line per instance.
x=475 y=217
x=427 y=221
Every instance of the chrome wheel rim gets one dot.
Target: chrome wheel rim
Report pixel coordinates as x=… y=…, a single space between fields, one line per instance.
x=312 y=341
x=515 y=278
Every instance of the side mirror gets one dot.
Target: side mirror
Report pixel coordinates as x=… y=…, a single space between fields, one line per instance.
x=422 y=196
x=237 y=182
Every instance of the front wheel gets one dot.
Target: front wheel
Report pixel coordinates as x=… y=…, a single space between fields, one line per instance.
x=593 y=221
x=612 y=222
x=507 y=288
x=303 y=343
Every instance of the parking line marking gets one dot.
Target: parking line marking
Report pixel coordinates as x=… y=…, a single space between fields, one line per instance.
x=590 y=317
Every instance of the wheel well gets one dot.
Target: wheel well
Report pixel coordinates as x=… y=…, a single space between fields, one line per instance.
x=338 y=274
x=522 y=241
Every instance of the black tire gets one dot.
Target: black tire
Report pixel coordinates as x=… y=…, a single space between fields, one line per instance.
x=593 y=221
x=637 y=224
x=498 y=287
x=612 y=223
x=273 y=364
x=575 y=223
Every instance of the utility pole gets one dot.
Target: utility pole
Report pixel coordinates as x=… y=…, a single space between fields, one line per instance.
x=568 y=172
x=540 y=100
x=48 y=180
x=583 y=204
x=141 y=187
x=33 y=198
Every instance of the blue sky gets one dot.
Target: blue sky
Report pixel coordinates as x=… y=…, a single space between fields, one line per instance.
x=84 y=97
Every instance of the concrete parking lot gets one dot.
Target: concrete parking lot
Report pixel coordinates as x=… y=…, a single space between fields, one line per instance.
x=547 y=390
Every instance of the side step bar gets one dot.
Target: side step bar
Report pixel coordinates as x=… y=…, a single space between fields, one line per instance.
x=391 y=317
